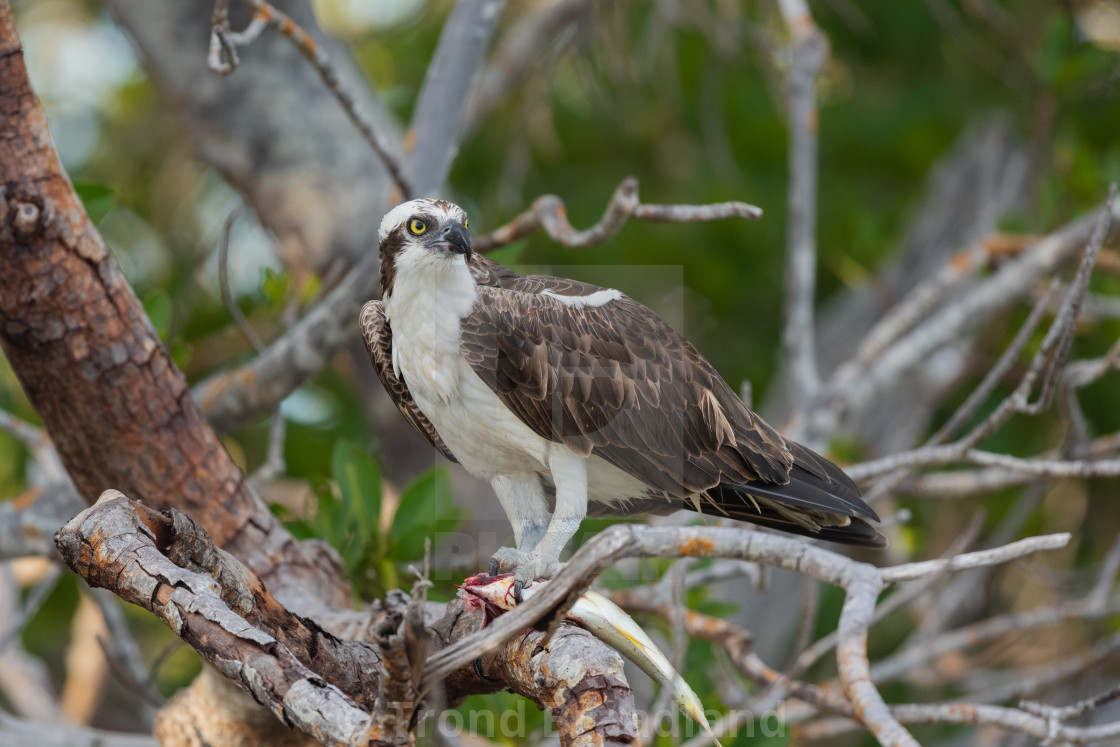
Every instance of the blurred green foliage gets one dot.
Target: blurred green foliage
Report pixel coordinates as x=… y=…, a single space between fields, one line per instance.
x=374 y=551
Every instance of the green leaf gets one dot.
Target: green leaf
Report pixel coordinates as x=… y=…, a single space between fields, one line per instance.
x=327 y=512
x=180 y=352
x=274 y=286
x=359 y=482
x=311 y=289
x=426 y=509
x=97 y=199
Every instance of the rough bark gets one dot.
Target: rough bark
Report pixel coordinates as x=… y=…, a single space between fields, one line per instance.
x=337 y=691
x=168 y=565
x=117 y=408
x=591 y=704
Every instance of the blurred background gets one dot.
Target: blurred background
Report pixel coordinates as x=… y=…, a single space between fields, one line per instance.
x=942 y=123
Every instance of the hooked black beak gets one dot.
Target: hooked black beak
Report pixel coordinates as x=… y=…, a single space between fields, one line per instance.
x=453 y=238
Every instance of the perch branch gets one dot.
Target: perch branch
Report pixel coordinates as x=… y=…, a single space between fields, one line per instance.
x=861 y=581
x=119 y=544
x=334 y=690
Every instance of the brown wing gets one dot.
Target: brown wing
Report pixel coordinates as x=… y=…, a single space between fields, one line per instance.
x=618 y=380
x=378 y=337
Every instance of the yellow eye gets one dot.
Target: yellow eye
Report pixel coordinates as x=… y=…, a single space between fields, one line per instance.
x=466 y=223
x=417 y=226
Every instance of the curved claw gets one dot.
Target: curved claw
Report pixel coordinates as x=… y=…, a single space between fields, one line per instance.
x=517 y=587
x=495 y=567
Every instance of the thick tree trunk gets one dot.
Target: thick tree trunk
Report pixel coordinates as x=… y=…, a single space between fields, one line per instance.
x=117 y=408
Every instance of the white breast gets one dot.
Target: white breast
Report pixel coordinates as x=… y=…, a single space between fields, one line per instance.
x=431 y=295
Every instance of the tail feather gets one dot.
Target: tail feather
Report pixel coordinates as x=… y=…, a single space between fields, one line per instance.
x=739 y=505
x=819 y=500
x=805 y=491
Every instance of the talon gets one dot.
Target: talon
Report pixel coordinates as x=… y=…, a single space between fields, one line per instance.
x=517 y=587
x=495 y=567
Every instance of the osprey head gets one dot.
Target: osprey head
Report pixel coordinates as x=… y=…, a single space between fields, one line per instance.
x=426 y=225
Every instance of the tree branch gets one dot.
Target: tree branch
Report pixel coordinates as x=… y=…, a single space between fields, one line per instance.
x=116 y=407
x=437 y=122
x=548 y=212
x=862 y=583
x=340 y=692
x=856 y=382
x=809 y=47
x=223 y=59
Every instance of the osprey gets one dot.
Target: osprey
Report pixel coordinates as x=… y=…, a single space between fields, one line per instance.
x=576 y=400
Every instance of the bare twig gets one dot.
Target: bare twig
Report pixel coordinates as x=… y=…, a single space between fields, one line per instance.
x=809 y=54
x=971 y=713
x=30 y=606
x=855 y=383
x=1083 y=373
x=996 y=373
x=977 y=559
x=962 y=483
x=1057 y=715
x=548 y=212
x=223 y=284
x=223 y=59
x=1107 y=574
x=123 y=654
x=274 y=464
x=952 y=454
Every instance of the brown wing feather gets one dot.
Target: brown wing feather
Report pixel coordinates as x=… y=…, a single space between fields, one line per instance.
x=617 y=379
x=378 y=337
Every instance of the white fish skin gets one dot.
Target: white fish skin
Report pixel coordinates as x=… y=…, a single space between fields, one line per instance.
x=610 y=624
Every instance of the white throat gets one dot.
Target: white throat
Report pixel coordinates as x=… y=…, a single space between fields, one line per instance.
x=432 y=292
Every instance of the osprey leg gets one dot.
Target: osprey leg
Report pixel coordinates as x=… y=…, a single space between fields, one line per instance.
x=526 y=507
x=569 y=471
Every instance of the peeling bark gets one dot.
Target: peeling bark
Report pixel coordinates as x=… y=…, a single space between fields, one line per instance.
x=584 y=690
x=339 y=692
